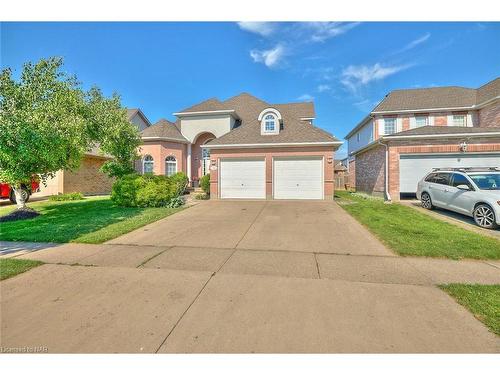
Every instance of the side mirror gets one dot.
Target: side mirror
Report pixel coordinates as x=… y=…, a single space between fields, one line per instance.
x=463 y=187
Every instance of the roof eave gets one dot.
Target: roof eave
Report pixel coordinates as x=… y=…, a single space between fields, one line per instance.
x=284 y=144
x=202 y=113
x=165 y=139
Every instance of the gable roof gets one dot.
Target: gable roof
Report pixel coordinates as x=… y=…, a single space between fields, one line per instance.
x=439 y=98
x=163 y=129
x=131 y=112
x=248 y=131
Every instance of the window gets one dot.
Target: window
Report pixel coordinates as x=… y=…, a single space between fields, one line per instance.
x=389 y=125
x=420 y=121
x=269 y=123
x=147 y=164
x=458 y=120
x=441 y=178
x=358 y=137
x=459 y=179
x=170 y=165
x=489 y=181
x=431 y=177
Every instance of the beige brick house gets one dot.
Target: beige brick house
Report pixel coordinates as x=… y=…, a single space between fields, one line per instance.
x=413 y=131
x=88 y=179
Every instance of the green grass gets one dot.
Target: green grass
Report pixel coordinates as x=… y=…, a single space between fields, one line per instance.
x=482 y=300
x=12 y=267
x=93 y=220
x=409 y=232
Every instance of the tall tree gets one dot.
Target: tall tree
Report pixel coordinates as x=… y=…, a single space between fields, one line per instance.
x=48 y=122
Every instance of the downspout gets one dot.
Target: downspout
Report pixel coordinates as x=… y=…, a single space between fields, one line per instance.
x=386 y=174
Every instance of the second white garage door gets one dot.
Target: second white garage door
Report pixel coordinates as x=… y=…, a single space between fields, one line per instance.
x=298 y=178
x=243 y=178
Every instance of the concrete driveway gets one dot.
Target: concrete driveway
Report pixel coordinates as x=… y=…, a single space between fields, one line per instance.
x=314 y=226
x=245 y=277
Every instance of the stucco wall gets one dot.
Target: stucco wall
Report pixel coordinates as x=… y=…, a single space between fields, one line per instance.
x=218 y=125
x=268 y=153
x=159 y=150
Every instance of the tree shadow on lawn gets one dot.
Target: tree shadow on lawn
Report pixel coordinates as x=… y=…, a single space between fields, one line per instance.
x=67 y=221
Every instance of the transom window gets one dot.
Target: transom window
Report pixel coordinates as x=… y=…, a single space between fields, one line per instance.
x=421 y=121
x=147 y=164
x=170 y=165
x=458 y=120
x=389 y=125
x=269 y=123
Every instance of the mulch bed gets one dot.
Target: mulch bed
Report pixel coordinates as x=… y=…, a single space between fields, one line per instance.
x=19 y=214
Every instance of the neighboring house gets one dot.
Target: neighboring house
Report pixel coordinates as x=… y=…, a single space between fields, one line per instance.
x=252 y=149
x=88 y=179
x=413 y=131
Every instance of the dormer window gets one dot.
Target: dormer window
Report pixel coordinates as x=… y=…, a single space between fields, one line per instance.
x=270 y=119
x=269 y=123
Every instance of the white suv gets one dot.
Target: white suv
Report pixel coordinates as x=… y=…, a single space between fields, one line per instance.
x=470 y=191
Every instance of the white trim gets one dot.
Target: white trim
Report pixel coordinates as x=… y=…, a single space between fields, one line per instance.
x=164 y=139
x=271 y=110
x=152 y=163
x=249 y=145
x=448 y=135
x=171 y=162
x=308 y=118
x=201 y=113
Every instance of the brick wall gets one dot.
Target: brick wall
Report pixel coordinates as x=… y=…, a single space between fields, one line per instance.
x=370 y=171
x=159 y=150
x=352 y=173
x=489 y=116
x=87 y=179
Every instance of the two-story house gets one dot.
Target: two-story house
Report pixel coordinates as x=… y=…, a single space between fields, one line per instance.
x=412 y=131
x=252 y=149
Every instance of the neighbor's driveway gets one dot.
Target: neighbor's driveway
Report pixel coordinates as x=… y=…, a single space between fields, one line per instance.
x=243 y=277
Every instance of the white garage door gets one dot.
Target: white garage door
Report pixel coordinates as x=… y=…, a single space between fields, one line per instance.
x=298 y=178
x=243 y=178
x=412 y=168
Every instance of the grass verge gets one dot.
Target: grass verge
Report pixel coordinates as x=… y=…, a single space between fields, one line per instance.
x=92 y=220
x=12 y=267
x=482 y=300
x=409 y=232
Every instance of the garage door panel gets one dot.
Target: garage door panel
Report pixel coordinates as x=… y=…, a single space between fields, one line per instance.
x=412 y=168
x=243 y=178
x=298 y=178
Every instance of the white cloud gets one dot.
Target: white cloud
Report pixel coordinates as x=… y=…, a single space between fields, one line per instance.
x=322 y=31
x=269 y=57
x=323 y=88
x=306 y=98
x=355 y=76
x=415 y=43
x=261 y=28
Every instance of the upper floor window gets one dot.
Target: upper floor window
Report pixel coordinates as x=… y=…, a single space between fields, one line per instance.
x=389 y=125
x=147 y=164
x=421 y=121
x=458 y=120
x=269 y=123
x=170 y=165
x=358 y=137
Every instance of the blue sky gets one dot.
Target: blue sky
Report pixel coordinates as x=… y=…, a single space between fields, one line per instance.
x=346 y=68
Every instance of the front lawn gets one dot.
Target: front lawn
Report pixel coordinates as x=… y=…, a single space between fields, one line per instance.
x=12 y=267
x=482 y=300
x=92 y=220
x=409 y=232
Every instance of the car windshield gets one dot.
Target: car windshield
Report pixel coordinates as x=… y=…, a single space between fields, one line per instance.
x=487 y=181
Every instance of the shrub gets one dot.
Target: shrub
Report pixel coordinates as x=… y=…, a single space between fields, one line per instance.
x=205 y=183
x=149 y=191
x=201 y=196
x=67 y=197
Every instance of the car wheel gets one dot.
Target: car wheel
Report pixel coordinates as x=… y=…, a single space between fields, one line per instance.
x=426 y=201
x=484 y=216
x=25 y=193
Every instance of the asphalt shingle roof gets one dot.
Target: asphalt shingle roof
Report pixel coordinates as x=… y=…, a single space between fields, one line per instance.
x=443 y=130
x=247 y=129
x=165 y=129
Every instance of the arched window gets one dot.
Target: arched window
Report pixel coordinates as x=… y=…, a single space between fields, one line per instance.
x=170 y=165
x=269 y=123
x=147 y=164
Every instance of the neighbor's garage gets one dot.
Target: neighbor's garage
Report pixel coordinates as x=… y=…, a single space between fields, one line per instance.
x=413 y=167
x=243 y=178
x=298 y=178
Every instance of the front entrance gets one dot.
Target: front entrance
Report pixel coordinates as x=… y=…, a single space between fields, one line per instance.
x=200 y=159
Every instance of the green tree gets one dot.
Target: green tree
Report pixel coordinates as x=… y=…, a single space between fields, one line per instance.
x=48 y=122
